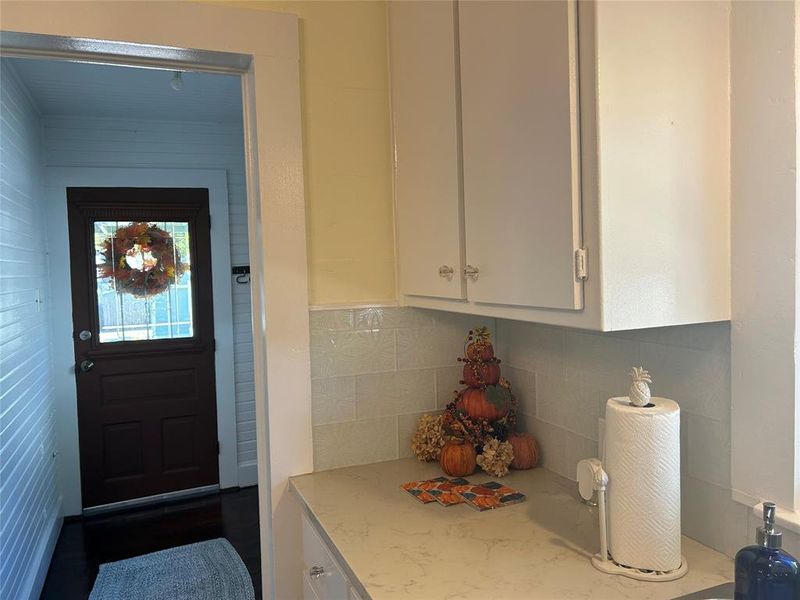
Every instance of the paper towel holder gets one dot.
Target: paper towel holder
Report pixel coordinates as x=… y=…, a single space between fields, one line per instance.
x=592 y=479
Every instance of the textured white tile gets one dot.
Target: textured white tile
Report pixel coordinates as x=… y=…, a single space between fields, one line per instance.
x=709 y=515
x=709 y=450
x=568 y=405
x=533 y=347
x=355 y=443
x=463 y=323
x=600 y=353
x=447 y=383
x=351 y=352
x=428 y=347
x=333 y=400
x=406 y=426
x=552 y=443
x=396 y=393
x=576 y=448
x=698 y=381
x=523 y=384
x=388 y=318
x=330 y=320
x=713 y=337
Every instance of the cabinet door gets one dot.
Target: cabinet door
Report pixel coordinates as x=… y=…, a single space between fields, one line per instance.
x=426 y=148
x=521 y=151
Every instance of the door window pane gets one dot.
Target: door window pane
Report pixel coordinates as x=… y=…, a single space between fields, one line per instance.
x=144 y=281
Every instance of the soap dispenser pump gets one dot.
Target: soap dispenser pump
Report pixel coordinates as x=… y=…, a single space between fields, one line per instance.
x=764 y=571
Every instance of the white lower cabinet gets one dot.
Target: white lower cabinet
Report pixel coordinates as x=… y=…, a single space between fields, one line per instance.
x=323 y=578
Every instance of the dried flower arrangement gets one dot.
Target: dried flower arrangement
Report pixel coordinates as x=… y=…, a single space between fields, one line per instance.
x=428 y=440
x=495 y=457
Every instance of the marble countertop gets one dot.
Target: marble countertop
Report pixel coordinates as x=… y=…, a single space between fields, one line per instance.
x=398 y=547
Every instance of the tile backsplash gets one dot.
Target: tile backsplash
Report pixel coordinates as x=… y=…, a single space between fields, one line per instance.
x=376 y=370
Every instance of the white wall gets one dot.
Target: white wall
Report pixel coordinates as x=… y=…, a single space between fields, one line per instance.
x=29 y=496
x=82 y=142
x=764 y=251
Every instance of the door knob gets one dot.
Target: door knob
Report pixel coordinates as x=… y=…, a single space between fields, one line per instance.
x=86 y=366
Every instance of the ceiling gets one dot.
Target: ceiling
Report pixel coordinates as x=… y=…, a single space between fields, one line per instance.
x=61 y=88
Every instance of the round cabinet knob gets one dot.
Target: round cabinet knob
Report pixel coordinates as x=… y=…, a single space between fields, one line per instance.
x=446 y=272
x=85 y=335
x=86 y=366
x=316 y=572
x=471 y=272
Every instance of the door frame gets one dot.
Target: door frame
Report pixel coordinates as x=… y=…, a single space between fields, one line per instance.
x=263 y=48
x=57 y=180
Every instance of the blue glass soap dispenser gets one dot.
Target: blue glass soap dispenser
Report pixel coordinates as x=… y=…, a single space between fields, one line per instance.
x=764 y=571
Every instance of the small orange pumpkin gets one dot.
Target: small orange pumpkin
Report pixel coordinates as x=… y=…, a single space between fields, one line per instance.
x=458 y=459
x=526 y=451
x=478 y=374
x=479 y=346
x=474 y=402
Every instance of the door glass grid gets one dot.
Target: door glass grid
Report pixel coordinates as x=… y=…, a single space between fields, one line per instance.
x=165 y=313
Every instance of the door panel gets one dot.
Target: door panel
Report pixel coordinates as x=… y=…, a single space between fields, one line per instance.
x=143 y=328
x=520 y=151
x=427 y=153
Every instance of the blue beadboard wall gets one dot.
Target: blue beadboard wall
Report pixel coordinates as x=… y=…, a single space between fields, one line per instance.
x=87 y=142
x=29 y=498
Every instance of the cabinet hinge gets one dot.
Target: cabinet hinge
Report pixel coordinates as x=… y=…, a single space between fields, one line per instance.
x=581 y=268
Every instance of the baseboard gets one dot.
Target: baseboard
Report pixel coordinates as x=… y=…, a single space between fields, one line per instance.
x=41 y=560
x=248 y=474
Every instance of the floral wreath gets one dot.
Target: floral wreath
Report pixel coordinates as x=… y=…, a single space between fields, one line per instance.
x=141 y=259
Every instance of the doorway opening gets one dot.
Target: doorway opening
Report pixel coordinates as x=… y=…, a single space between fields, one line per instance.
x=112 y=127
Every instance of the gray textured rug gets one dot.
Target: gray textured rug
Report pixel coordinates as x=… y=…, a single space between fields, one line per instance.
x=210 y=570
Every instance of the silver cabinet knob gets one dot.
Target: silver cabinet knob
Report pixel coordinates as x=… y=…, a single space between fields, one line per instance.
x=85 y=335
x=316 y=572
x=471 y=272
x=86 y=366
x=446 y=272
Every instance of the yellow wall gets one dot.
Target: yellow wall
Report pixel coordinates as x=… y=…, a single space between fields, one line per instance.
x=346 y=125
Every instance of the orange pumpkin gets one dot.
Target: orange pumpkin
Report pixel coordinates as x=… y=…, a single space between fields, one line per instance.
x=526 y=451
x=474 y=402
x=478 y=374
x=480 y=350
x=458 y=459
x=478 y=347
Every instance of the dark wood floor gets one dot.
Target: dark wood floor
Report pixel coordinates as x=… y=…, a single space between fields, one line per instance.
x=87 y=543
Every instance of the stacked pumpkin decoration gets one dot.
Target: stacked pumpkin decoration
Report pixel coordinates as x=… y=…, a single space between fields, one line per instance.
x=481 y=419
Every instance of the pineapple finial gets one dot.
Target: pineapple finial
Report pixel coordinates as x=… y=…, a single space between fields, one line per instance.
x=640 y=390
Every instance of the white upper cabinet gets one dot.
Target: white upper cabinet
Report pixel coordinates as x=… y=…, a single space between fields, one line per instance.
x=521 y=152
x=429 y=216
x=569 y=160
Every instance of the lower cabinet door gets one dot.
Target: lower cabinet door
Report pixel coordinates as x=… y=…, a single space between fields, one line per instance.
x=323 y=574
x=308 y=589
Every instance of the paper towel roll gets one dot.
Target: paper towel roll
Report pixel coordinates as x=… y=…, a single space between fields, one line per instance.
x=642 y=459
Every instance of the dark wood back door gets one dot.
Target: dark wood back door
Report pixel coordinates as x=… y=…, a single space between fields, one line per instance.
x=144 y=341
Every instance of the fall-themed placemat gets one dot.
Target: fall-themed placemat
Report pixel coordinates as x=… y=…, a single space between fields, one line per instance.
x=489 y=495
x=446 y=492
x=420 y=489
x=449 y=492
